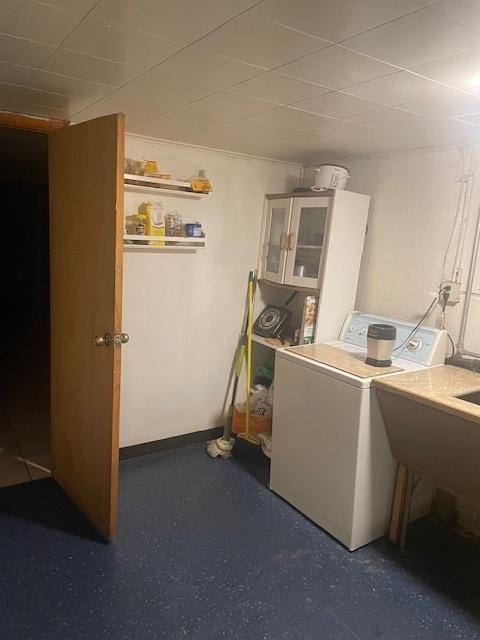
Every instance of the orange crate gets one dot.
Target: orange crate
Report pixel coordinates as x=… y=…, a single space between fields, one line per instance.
x=258 y=424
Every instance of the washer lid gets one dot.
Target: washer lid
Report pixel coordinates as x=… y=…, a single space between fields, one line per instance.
x=338 y=374
x=348 y=361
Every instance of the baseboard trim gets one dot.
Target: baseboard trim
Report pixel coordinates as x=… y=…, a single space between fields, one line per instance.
x=169 y=443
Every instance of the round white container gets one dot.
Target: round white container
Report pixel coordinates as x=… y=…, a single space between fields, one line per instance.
x=330 y=176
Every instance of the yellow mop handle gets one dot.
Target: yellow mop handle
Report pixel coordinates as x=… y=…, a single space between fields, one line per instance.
x=249 y=356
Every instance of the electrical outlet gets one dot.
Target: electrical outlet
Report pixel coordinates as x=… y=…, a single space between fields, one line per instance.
x=454 y=292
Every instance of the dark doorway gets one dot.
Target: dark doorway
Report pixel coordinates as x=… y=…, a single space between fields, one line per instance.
x=25 y=321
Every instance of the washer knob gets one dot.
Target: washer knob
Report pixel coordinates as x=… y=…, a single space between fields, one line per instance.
x=363 y=331
x=414 y=344
x=352 y=328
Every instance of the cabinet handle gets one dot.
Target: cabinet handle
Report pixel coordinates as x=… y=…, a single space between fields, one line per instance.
x=291 y=242
x=283 y=238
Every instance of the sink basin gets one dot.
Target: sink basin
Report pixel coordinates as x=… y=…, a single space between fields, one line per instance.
x=473 y=397
x=436 y=444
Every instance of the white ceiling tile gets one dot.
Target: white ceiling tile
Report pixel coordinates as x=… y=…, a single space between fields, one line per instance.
x=20 y=106
x=119 y=44
x=336 y=68
x=78 y=65
x=337 y=104
x=466 y=12
x=32 y=96
x=415 y=39
x=124 y=100
x=278 y=88
x=409 y=126
x=292 y=118
x=177 y=81
x=80 y=93
x=461 y=71
x=15 y=74
x=259 y=42
x=334 y=20
x=209 y=112
x=398 y=88
x=24 y=52
x=248 y=136
x=179 y=20
x=472 y=118
x=36 y=21
x=455 y=104
x=82 y=6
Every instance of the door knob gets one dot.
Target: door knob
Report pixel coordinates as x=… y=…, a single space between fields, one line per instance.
x=120 y=338
x=103 y=341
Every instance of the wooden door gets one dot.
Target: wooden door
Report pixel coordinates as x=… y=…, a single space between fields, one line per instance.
x=86 y=220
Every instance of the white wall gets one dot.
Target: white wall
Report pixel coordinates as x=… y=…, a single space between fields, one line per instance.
x=183 y=311
x=414 y=203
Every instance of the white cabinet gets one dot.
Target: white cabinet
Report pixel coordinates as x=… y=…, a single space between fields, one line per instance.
x=306 y=236
x=314 y=242
x=295 y=233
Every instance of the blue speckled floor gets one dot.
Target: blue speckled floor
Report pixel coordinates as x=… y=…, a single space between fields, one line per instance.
x=207 y=552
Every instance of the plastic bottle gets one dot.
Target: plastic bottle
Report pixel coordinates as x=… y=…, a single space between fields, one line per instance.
x=156 y=213
x=200 y=183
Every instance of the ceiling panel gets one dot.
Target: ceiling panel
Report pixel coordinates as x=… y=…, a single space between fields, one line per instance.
x=466 y=12
x=81 y=6
x=209 y=112
x=456 y=104
x=36 y=21
x=337 y=105
x=260 y=42
x=80 y=93
x=278 y=88
x=472 y=118
x=391 y=119
x=336 y=68
x=31 y=96
x=262 y=77
x=119 y=44
x=24 y=52
x=398 y=88
x=41 y=111
x=245 y=136
x=121 y=101
x=177 y=82
x=179 y=20
x=78 y=65
x=462 y=71
x=311 y=123
x=415 y=39
x=334 y=20
x=15 y=74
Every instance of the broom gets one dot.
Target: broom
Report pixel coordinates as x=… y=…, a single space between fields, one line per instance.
x=223 y=446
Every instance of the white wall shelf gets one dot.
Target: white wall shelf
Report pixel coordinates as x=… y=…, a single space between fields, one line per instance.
x=172 y=242
x=146 y=184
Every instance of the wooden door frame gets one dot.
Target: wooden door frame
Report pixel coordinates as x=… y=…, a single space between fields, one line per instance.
x=30 y=123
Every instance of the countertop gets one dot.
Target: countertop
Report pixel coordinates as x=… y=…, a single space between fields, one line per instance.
x=437 y=387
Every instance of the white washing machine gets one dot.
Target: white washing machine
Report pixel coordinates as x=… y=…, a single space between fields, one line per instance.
x=330 y=454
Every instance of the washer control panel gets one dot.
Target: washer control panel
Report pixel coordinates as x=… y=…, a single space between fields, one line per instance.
x=426 y=346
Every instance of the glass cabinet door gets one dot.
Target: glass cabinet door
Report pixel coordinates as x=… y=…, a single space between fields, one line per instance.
x=306 y=241
x=278 y=220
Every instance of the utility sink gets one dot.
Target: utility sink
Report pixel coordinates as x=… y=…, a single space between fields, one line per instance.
x=432 y=419
x=473 y=397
